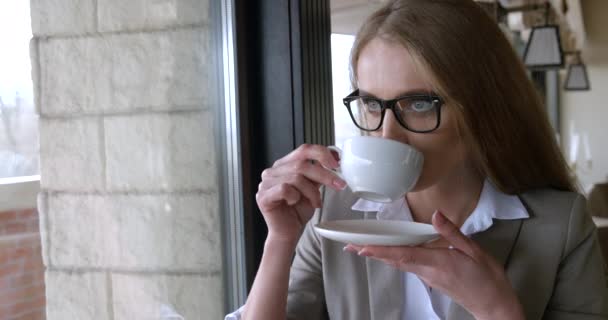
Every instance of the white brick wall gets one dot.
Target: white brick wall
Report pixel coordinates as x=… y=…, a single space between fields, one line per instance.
x=174 y=152
x=73 y=295
x=165 y=70
x=76 y=17
x=163 y=233
x=192 y=297
x=43 y=227
x=116 y=15
x=70 y=154
x=63 y=17
x=130 y=208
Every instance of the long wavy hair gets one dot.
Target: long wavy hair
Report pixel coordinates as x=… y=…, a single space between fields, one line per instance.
x=475 y=69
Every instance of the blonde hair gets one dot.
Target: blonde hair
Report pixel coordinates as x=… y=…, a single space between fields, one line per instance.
x=475 y=69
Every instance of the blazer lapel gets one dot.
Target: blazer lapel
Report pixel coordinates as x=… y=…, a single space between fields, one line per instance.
x=385 y=290
x=385 y=287
x=456 y=312
x=498 y=241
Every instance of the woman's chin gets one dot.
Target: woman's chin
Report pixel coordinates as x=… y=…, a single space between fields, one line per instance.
x=420 y=185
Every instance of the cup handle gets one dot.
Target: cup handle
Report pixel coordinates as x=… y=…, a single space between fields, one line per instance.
x=336 y=171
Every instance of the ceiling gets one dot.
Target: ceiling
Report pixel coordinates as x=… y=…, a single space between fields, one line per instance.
x=348 y=15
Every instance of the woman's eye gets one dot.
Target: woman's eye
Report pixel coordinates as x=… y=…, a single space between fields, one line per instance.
x=421 y=105
x=373 y=106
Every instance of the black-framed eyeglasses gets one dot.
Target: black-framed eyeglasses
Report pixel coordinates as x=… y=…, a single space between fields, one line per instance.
x=419 y=113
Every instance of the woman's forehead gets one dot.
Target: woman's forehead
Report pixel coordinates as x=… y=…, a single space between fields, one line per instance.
x=386 y=69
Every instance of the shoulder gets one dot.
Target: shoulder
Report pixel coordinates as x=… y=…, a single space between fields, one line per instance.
x=550 y=202
x=555 y=206
x=561 y=215
x=560 y=239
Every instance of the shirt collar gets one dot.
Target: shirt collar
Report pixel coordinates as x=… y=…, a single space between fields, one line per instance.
x=492 y=204
x=367 y=205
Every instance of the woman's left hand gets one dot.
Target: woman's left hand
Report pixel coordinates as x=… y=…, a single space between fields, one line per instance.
x=467 y=274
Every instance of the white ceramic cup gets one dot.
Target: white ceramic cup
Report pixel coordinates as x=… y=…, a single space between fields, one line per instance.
x=378 y=169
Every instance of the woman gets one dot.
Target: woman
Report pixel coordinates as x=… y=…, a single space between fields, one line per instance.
x=516 y=240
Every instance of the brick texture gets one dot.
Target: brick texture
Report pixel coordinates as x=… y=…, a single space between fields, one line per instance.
x=190 y=296
x=70 y=155
x=177 y=232
x=62 y=17
x=77 y=296
x=175 y=152
x=119 y=15
x=22 y=290
x=127 y=93
x=125 y=73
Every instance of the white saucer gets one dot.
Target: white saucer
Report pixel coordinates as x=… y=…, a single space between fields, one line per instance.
x=377 y=232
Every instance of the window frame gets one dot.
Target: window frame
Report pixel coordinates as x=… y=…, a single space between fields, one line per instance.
x=17 y=193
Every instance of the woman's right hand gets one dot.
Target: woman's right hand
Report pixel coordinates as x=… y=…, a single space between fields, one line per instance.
x=289 y=191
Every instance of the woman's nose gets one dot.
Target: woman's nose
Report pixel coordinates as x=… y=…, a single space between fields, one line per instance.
x=391 y=129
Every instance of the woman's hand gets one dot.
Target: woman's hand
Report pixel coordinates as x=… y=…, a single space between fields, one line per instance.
x=289 y=191
x=463 y=271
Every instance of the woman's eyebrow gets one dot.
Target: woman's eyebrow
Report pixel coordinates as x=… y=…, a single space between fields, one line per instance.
x=402 y=94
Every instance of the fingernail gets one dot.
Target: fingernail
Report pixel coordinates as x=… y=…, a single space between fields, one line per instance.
x=348 y=248
x=335 y=165
x=438 y=217
x=364 y=253
x=339 y=183
x=336 y=155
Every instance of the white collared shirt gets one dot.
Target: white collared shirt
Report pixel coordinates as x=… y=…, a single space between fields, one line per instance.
x=420 y=301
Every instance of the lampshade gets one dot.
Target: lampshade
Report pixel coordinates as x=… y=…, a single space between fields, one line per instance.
x=577 y=78
x=544 y=49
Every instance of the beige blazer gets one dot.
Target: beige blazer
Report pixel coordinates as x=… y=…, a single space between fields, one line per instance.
x=552 y=259
x=598 y=200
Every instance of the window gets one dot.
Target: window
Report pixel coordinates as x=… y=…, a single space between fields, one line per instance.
x=23 y=296
x=340 y=53
x=18 y=118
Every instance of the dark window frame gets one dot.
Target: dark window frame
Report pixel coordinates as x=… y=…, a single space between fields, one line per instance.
x=284 y=94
